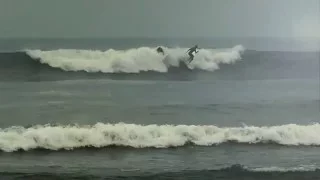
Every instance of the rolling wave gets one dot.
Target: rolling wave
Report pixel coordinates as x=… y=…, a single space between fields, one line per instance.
x=134 y=60
x=157 y=136
x=145 y=63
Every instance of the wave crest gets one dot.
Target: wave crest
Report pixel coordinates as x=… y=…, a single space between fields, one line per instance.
x=134 y=60
x=158 y=136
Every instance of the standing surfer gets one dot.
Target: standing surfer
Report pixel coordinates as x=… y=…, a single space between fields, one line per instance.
x=191 y=50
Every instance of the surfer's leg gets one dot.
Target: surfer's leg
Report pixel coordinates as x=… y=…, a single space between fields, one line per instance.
x=191 y=56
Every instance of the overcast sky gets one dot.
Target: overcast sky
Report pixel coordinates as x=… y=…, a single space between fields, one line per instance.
x=159 y=18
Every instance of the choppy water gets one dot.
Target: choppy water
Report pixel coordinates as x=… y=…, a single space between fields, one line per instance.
x=234 y=113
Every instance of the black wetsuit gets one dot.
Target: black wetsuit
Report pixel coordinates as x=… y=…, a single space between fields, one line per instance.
x=160 y=50
x=191 y=50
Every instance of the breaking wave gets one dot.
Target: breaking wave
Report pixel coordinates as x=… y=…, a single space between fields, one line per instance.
x=157 y=136
x=134 y=60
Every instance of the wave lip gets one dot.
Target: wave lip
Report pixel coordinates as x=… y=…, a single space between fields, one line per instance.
x=157 y=136
x=134 y=60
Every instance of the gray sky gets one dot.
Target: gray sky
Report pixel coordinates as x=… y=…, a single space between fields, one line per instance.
x=159 y=18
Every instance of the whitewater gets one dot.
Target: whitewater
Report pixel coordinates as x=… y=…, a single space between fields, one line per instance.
x=157 y=136
x=134 y=60
x=70 y=111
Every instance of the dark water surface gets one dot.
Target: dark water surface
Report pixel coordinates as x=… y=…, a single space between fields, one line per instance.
x=254 y=119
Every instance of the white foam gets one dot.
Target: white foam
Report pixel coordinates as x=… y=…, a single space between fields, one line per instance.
x=297 y=168
x=158 y=136
x=133 y=60
x=301 y=168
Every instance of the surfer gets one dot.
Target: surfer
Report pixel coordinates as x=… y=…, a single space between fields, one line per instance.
x=191 y=50
x=160 y=50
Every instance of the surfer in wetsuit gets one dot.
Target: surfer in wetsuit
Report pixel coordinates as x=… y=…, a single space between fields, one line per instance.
x=191 y=50
x=160 y=50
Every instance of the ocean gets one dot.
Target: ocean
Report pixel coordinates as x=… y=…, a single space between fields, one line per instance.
x=116 y=109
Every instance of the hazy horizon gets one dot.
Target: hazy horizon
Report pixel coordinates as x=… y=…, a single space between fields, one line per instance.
x=254 y=24
x=165 y=18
